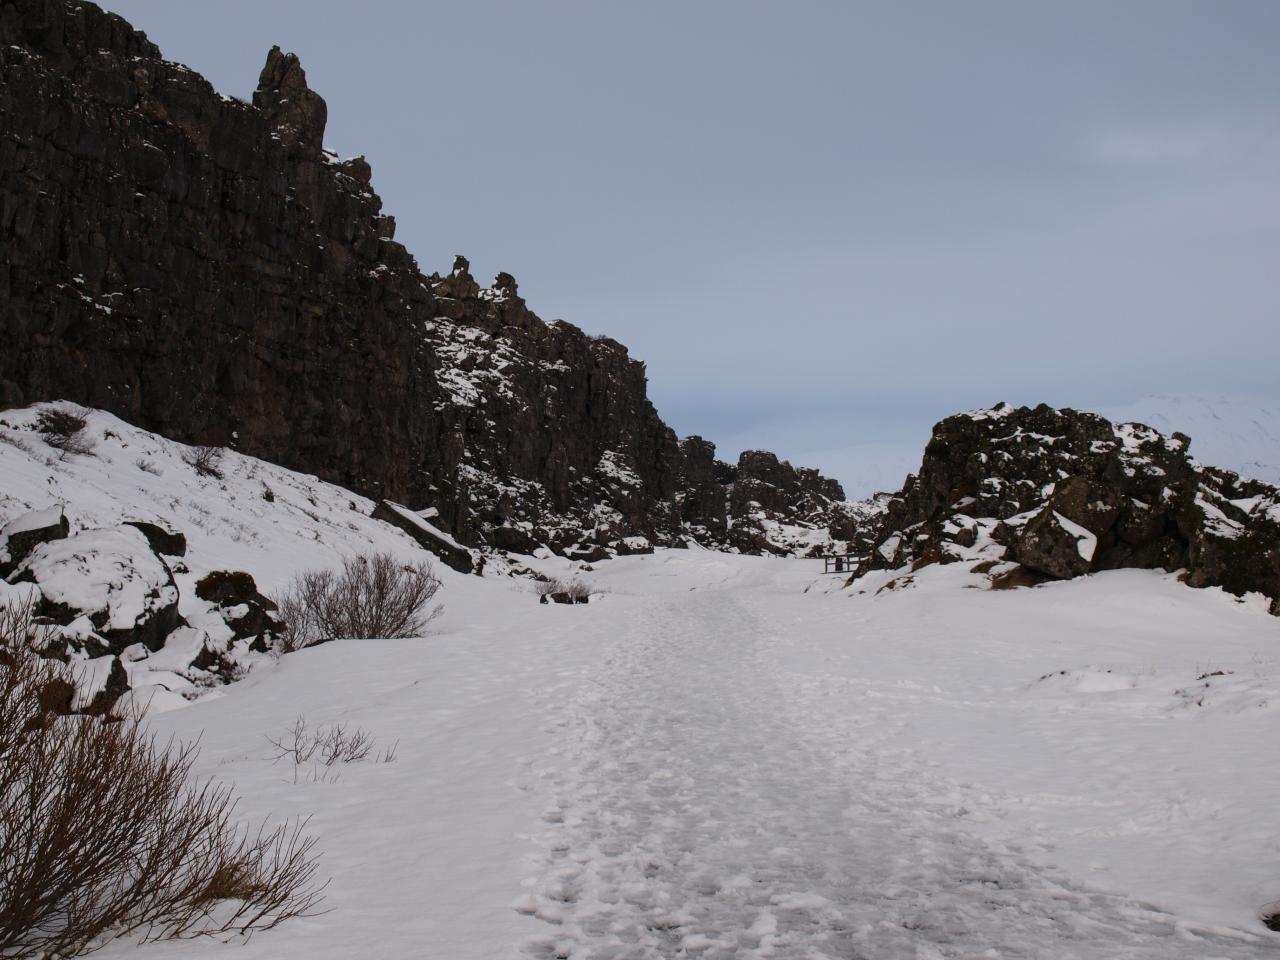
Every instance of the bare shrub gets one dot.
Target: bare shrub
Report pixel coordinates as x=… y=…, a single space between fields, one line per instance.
x=374 y=595
x=206 y=461
x=324 y=745
x=147 y=466
x=578 y=591
x=21 y=630
x=65 y=430
x=104 y=832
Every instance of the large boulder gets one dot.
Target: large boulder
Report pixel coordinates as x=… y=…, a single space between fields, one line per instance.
x=1088 y=502
x=106 y=581
x=1050 y=543
x=428 y=535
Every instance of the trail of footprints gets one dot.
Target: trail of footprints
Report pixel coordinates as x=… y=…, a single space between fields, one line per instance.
x=703 y=810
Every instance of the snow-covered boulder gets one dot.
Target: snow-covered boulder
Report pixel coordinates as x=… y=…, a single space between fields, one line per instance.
x=108 y=583
x=24 y=533
x=241 y=607
x=429 y=536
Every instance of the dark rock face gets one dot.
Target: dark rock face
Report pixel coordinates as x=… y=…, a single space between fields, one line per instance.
x=763 y=504
x=1065 y=493
x=704 y=496
x=297 y=112
x=201 y=267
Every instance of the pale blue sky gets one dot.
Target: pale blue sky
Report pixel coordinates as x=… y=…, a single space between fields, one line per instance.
x=824 y=225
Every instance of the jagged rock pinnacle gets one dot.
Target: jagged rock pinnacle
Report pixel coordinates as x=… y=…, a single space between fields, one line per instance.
x=298 y=111
x=506 y=283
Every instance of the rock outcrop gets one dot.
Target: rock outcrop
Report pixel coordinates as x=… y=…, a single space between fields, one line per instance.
x=201 y=267
x=1064 y=493
x=761 y=504
x=106 y=599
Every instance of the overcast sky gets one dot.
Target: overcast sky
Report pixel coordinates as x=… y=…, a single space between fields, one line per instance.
x=824 y=226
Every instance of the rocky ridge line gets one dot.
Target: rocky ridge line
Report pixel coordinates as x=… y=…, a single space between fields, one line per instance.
x=203 y=268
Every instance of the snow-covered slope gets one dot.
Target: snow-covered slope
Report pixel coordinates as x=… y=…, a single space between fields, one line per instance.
x=255 y=516
x=726 y=756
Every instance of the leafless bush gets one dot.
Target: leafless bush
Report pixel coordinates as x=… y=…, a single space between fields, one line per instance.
x=578 y=591
x=21 y=630
x=324 y=745
x=147 y=466
x=206 y=461
x=374 y=595
x=65 y=430
x=103 y=831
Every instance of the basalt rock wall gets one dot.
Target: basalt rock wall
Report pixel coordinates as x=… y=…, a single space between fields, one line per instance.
x=200 y=266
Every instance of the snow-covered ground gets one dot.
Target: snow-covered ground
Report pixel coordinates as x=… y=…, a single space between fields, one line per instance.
x=725 y=756
x=709 y=761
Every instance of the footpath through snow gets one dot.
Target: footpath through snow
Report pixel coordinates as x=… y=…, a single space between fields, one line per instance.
x=709 y=762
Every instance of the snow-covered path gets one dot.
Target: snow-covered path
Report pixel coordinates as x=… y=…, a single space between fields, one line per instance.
x=722 y=757
x=706 y=804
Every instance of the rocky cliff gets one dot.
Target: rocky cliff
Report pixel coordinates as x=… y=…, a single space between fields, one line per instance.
x=202 y=267
x=1030 y=494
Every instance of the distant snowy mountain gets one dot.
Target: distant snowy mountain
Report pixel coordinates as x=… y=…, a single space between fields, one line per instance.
x=1238 y=433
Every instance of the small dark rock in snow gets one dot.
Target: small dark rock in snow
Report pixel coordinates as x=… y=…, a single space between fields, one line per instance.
x=227 y=587
x=246 y=611
x=24 y=533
